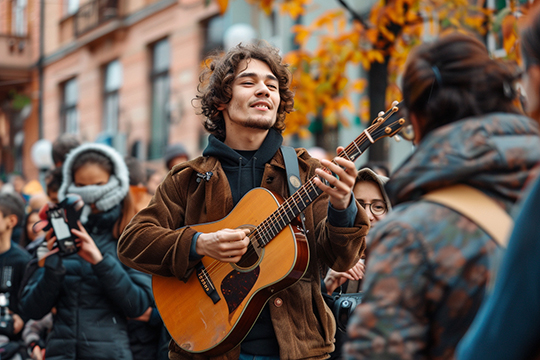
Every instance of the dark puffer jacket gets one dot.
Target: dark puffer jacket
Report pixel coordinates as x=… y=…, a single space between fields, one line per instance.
x=91 y=302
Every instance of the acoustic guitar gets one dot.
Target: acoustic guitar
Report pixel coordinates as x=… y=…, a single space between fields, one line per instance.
x=215 y=308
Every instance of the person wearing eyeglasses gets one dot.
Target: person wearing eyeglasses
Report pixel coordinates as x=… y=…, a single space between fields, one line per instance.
x=369 y=192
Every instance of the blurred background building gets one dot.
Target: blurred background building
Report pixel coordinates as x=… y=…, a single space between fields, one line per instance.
x=123 y=72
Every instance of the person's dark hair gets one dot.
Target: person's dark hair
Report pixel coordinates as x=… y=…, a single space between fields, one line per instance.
x=53 y=179
x=215 y=83
x=12 y=204
x=92 y=157
x=454 y=78
x=530 y=38
x=136 y=170
x=62 y=146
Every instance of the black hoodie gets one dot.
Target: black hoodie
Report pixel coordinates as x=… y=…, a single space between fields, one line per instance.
x=243 y=175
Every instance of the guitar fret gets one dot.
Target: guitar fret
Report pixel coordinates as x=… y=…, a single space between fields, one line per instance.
x=359 y=151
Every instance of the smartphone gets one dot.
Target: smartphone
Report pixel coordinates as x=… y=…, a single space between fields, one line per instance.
x=64 y=238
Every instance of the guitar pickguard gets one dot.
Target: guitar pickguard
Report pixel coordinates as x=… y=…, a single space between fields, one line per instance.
x=237 y=285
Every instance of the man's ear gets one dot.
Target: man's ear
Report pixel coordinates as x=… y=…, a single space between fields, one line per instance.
x=11 y=220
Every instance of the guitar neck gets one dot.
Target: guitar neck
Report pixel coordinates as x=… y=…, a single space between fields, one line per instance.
x=304 y=196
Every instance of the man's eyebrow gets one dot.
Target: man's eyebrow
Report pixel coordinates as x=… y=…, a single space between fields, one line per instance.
x=252 y=74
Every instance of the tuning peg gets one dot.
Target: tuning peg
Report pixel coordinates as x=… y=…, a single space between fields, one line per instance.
x=380 y=114
x=397 y=138
x=394 y=103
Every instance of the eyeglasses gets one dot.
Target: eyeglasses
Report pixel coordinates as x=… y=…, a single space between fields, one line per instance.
x=377 y=207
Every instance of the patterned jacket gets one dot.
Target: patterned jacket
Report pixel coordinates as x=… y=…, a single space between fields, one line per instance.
x=427 y=266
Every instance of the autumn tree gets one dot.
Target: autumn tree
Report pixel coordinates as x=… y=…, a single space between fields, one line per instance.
x=378 y=42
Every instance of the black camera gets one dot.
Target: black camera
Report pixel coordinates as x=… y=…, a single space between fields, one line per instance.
x=62 y=218
x=6 y=319
x=343 y=307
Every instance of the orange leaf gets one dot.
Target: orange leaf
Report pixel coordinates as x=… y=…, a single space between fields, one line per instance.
x=359 y=85
x=223 y=4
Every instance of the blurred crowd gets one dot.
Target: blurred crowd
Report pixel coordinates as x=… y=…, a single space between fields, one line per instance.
x=29 y=258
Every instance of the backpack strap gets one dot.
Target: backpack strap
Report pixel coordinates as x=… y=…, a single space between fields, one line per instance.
x=477 y=207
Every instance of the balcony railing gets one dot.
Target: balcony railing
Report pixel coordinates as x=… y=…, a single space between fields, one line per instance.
x=93 y=14
x=15 y=52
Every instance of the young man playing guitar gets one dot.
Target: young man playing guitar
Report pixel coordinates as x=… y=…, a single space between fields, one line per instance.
x=245 y=96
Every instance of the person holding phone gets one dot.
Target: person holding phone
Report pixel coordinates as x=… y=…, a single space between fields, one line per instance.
x=92 y=293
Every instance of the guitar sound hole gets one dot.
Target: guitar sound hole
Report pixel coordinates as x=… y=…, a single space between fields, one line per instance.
x=250 y=259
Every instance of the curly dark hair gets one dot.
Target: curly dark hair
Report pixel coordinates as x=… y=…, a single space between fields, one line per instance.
x=215 y=83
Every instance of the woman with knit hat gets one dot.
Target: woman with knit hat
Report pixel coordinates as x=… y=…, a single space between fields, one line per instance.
x=92 y=293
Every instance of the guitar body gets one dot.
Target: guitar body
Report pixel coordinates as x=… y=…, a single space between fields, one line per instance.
x=199 y=323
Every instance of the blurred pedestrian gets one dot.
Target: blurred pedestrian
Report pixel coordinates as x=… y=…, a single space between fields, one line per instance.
x=508 y=323
x=155 y=177
x=93 y=294
x=427 y=265
x=62 y=146
x=13 y=260
x=175 y=154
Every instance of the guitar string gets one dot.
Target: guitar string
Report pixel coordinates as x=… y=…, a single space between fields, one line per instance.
x=271 y=221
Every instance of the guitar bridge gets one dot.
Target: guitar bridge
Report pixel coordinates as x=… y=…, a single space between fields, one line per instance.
x=206 y=283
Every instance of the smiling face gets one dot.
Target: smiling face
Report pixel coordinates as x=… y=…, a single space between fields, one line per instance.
x=255 y=98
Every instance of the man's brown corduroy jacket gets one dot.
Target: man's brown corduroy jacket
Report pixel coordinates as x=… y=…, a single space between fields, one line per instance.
x=158 y=240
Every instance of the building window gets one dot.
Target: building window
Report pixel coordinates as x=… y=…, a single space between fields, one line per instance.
x=68 y=111
x=71 y=6
x=111 y=104
x=159 y=78
x=213 y=29
x=18 y=14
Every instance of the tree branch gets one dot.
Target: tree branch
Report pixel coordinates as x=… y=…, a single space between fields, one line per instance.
x=353 y=13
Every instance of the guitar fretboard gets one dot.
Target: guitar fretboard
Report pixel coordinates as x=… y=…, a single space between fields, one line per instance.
x=307 y=193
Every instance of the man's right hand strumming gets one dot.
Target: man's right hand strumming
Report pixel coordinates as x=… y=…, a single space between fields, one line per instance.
x=227 y=245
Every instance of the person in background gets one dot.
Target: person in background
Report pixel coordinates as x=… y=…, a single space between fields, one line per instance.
x=154 y=178
x=13 y=261
x=245 y=95
x=508 y=323
x=62 y=146
x=428 y=266
x=137 y=184
x=92 y=293
x=175 y=154
x=30 y=239
x=37 y=201
x=53 y=181
x=370 y=194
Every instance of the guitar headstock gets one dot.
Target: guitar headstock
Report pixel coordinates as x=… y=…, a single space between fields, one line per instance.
x=388 y=123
